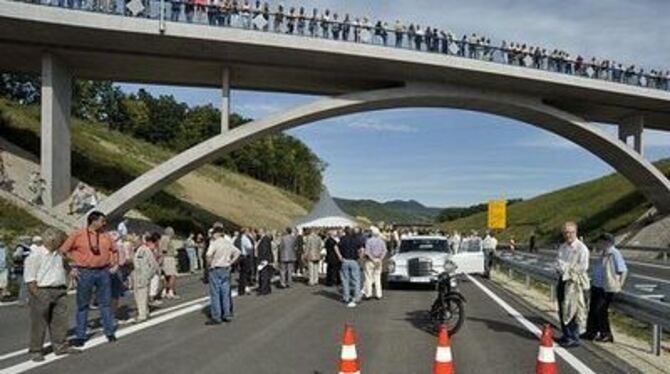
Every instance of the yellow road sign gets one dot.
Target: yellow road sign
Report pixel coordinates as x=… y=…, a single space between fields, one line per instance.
x=497 y=214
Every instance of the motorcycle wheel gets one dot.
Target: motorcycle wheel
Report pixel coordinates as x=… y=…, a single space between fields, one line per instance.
x=451 y=313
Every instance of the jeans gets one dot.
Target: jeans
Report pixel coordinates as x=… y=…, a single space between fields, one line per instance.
x=219 y=294
x=351 y=277
x=175 y=11
x=23 y=289
x=102 y=281
x=192 y=258
x=571 y=328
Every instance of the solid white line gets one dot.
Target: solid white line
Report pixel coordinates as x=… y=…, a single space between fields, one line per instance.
x=28 y=365
x=647 y=264
x=157 y=313
x=645 y=277
x=565 y=355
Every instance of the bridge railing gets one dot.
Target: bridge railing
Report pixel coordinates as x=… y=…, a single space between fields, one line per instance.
x=441 y=42
x=655 y=313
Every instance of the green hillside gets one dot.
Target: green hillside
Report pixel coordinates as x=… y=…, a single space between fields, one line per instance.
x=108 y=159
x=15 y=222
x=610 y=203
x=396 y=211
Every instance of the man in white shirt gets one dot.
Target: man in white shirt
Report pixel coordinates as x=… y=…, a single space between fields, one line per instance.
x=221 y=255
x=45 y=276
x=489 y=245
x=572 y=265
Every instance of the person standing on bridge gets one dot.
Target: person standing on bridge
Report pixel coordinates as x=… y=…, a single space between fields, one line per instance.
x=246 y=246
x=47 y=285
x=349 y=251
x=221 y=255
x=572 y=267
x=93 y=254
x=608 y=277
x=287 y=258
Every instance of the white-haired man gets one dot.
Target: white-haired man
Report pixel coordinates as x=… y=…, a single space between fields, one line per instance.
x=572 y=267
x=374 y=253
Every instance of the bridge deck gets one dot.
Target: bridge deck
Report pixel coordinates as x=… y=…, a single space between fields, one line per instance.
x=101 y=46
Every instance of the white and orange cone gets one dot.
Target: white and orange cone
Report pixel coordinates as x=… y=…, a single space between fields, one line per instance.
x=546 y=361
x=443 y=360
x=349 y=358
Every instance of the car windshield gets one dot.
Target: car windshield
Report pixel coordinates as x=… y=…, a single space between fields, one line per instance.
x=430 y=245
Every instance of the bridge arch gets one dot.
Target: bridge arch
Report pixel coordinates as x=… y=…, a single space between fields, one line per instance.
x=645 y=176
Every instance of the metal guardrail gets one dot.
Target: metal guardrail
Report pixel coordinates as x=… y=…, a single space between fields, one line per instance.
x=665 y=252
x=656 y=313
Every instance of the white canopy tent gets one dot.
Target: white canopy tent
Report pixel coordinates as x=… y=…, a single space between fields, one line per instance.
x=326 y=213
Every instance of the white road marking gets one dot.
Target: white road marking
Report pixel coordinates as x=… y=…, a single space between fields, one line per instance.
x=645 y=277
x=157 y=313
x=568 y=357
x=657 y=266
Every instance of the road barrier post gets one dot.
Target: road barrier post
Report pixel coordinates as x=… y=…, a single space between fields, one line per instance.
x=510 y=273
x=552 y=293
x=161 y=17
x=527 y=281
x=665 y=256
x=656 y=339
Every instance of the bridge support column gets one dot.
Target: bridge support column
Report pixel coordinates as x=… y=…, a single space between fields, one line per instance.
x=55 y=132
x=632 y=126
x=225 y=100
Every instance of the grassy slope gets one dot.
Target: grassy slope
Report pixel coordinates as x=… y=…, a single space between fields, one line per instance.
x=15 y=222
x=610 y=203
x=108 y=160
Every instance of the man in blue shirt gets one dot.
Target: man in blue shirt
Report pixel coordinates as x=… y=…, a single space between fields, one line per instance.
x=608 y=277
x=349 y=251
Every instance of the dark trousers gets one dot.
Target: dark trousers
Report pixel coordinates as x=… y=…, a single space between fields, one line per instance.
x=48 y=310
x=599 y=321
x=570 y=328
x=245 y=264
x=333 y=273
x=265 y=279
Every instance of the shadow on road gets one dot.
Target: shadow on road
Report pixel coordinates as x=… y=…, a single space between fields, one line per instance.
x=499 y=326
x=329 y=295
x=420 y=320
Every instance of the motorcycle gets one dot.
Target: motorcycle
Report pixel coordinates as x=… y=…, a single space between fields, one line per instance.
x=448 y=309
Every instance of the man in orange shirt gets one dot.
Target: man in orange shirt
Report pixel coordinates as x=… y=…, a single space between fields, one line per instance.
x=92 y=253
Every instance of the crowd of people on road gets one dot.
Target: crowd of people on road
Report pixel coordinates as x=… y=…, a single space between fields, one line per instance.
x=101 y=265
x=332 y=25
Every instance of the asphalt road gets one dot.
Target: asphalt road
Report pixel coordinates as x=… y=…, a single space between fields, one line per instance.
x=299 y=331
x=640 y=274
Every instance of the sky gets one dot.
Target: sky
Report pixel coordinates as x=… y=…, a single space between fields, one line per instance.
x=446 y=157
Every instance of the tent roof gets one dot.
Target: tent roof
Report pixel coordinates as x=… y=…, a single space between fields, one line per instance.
x=326 y=213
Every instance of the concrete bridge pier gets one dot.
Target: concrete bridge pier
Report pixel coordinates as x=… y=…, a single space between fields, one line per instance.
x=632 y=126
x=55 y=129
x=225 y=100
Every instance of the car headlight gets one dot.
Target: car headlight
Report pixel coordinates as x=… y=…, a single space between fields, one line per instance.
x=449 y=266
x=453 y=282
x=391 y=267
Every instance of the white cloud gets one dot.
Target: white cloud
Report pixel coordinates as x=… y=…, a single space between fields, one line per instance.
x=372 y=125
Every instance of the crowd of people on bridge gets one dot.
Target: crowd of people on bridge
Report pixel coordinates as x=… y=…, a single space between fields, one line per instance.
x=327 y=24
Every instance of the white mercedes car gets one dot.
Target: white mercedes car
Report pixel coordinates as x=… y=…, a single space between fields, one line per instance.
x=421 y=258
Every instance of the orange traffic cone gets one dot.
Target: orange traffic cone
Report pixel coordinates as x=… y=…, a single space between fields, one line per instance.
x=443 y=362
x=349 y=359
x=546 y=362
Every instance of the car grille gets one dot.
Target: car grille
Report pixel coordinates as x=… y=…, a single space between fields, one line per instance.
x=418 y=267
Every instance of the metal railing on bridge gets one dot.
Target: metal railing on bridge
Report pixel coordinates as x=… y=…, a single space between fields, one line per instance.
x=363 y=31
x=655 y=313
